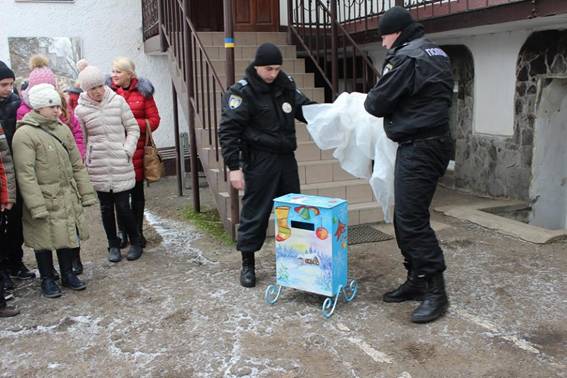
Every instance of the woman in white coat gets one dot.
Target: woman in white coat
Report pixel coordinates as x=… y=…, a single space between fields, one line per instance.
x=112 y=133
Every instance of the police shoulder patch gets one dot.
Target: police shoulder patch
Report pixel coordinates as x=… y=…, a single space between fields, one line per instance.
x=234 y=101
x=242 y=83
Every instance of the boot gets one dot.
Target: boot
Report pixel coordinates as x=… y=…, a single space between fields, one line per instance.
x=21 y=272
x=68 y=278
x=411 y=290
x=435 y=302
x=138 y=210
x=135 y=251
x=114 y=254
x=77 y=264
x=8 y=311
x=247 y=274
x=49 y=287
x=283 y=231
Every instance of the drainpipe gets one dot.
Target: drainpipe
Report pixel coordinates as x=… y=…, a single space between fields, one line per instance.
x=229 y=71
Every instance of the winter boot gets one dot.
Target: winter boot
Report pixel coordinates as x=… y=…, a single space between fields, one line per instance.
x=411 y=290
x=8 y=311
x=49 y=287
x=77 y=263
x=435 y=301
x=135 y=251
x=136 y=248
x=21 y=272
x=114 y=254
x=247 y=274
x=68 y=278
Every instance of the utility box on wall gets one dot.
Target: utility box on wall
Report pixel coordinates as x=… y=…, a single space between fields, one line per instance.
x=312 y=243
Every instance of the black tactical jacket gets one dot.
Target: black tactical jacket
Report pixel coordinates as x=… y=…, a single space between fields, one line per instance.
x=414 y=93
x=8 y=109
x=260 y=116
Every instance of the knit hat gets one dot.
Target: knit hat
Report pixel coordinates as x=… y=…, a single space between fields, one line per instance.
x=41 y=76
x=6 y=72
x=268 y=54
x=43 y=95
x=90 y=77
x=82 y=64
x=394 y=20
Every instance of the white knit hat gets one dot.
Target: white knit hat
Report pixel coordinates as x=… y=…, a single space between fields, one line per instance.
x=90 y=77
x=44 y=95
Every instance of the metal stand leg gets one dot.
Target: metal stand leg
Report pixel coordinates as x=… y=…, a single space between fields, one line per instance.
x=272 y=294
x=330 y=303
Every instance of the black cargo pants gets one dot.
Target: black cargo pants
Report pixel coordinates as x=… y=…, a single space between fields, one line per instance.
x=419 y=165
x=266 y=176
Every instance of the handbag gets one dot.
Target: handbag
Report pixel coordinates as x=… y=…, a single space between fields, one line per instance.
x=153 y=164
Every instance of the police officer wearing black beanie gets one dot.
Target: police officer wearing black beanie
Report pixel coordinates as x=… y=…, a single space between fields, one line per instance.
x=413 y=95
x=257 y=136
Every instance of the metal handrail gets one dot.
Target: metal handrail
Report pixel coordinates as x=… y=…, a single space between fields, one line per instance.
x=321 y=29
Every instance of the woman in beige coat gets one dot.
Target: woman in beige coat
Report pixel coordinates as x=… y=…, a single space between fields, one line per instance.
x=112 y=133
x=54 y=185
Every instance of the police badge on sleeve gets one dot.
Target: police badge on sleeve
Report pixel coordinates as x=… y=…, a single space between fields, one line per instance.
x=234 y=101
x=286 y=107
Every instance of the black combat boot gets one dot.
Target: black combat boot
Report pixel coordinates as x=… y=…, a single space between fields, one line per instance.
x=77 y=263
x=68 y=278
x=247 y=274
x=49 y=287
x=435 y=301
x=411 y=290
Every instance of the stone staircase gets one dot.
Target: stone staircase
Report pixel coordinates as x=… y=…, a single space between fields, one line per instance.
x=319 y=173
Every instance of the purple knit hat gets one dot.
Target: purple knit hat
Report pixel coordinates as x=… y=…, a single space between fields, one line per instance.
x=41 y=75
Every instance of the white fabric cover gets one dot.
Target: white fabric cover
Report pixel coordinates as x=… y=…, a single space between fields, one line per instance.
x=358 y=138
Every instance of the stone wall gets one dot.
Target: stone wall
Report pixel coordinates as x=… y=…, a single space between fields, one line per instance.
x=495 y=165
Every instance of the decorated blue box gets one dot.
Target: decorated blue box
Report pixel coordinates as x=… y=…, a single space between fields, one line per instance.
x=311 y=243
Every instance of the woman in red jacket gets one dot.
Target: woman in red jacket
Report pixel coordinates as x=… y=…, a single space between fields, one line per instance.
x=138 y=93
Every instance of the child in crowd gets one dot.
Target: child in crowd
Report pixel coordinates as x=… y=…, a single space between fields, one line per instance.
x=112 y=133
x=42 y=74
x=7 y=200
x=54 y=185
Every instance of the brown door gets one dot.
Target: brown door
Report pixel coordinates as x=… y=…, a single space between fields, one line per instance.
x=206 y=15
x=257 y=15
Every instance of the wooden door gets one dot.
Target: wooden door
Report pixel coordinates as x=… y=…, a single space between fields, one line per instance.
x=257 y=15
x=207 y=15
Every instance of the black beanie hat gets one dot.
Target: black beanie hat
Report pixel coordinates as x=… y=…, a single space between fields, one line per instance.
x=6 y=72
x=394 y=20
x=268 y=54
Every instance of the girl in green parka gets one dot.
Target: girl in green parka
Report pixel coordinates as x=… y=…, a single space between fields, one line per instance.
x=55 y=187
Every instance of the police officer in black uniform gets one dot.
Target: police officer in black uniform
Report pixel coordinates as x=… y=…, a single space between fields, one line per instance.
x=257 y=136
x=414 y=95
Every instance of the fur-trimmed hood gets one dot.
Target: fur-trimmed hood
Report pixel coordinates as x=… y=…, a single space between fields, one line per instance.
x=143 y=85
